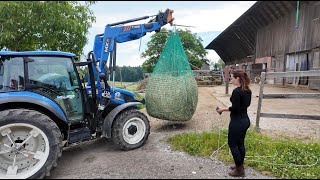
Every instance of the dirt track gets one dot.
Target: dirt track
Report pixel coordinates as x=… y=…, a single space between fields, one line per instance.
x=155 y=160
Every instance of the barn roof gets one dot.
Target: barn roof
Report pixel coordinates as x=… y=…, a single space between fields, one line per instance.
x=237 y=42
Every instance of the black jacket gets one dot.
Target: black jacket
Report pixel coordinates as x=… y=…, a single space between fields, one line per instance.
x=240 y=100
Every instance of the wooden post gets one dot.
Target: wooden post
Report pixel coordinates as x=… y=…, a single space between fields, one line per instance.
x=227 y=80
x=263 y=77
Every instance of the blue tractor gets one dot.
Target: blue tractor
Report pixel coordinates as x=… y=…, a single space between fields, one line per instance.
x=45 y=106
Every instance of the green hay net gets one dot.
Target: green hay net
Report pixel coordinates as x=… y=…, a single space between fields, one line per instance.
x=172 y=92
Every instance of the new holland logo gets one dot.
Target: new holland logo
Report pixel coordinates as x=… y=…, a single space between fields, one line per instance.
x=128 y=28
x=107 y=45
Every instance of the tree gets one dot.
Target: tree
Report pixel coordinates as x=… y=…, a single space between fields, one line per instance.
x=45 y=25
x=220 y=64
x=194 y=50
x=128 y=74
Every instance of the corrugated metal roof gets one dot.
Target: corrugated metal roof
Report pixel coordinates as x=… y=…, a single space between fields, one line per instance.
x=239 y=39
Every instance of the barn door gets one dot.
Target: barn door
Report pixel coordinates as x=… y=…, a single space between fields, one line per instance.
x=292 y=60
x=304 y=66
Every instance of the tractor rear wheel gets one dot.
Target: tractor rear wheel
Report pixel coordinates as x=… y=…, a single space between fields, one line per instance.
x=130 y=129
x=30 y=144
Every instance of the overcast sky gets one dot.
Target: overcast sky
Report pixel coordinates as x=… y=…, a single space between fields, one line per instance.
x=209 y=17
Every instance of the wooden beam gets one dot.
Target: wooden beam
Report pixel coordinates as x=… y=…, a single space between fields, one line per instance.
x=293 y=4
x=293 y=74
x=290 y=116
x=261 y=18
x=221 y=48
x=232 y=48
x=269 y=12
x=262 y=14
x=263 y=77
x=248 y=40
x=309 y=95
x=256 y=22
x=250 y=29
x=274 y=9
x=285 y=7
x=278 y=6
x=241 y=42
x=221 y=54
x=238 y=49
x=250 y=35
x=227 y=79
x=251 y=22
x=260 y=21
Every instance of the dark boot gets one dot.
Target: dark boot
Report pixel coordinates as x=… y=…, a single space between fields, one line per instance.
x=232 y=167
x=237 y=172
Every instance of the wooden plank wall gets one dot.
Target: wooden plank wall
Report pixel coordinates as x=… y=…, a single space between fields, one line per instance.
x=281 y=37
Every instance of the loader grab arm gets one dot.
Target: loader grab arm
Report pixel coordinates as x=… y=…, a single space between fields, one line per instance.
x=105 y=44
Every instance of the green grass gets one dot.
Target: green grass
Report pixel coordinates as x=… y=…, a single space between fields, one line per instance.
x=140 y=97
x=132 y=88
x=118 y=84
x=284 y=155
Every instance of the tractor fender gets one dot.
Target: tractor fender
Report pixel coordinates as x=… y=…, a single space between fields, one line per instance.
x=107 y=124
x=33 y=98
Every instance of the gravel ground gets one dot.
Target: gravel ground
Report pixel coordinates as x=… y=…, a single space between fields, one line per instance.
x=155 y=160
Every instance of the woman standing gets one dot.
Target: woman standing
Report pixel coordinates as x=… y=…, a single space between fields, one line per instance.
x=239 y=120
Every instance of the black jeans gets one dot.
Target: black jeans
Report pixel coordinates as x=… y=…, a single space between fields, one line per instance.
x=237 y=132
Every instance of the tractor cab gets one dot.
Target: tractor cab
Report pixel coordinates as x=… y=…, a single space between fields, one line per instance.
x=51 y=74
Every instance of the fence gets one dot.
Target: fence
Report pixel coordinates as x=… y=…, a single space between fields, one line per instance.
x=265 y=75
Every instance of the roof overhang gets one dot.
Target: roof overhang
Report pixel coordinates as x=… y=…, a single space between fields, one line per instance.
x=238 y=41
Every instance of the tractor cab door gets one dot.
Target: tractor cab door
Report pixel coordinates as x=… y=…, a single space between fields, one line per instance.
x=56 y=78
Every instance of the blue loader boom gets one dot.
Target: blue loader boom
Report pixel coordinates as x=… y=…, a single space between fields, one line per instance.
x=105 y=46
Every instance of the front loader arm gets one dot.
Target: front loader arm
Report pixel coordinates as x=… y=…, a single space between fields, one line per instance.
x=104 y=44
x=116 y=32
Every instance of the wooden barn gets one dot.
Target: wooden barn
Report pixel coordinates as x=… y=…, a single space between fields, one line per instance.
x=274 y=36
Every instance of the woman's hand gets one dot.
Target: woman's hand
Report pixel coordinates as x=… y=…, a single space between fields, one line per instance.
x=220 y=109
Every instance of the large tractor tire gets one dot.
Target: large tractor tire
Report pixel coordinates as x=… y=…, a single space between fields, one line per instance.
x=130 y=130
x=30 y=144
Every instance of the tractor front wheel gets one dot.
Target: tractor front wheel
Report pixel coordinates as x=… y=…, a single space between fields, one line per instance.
x=30 y=144
x=130 y=129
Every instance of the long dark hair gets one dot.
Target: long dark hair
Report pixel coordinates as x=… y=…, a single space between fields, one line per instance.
x=243 y=79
